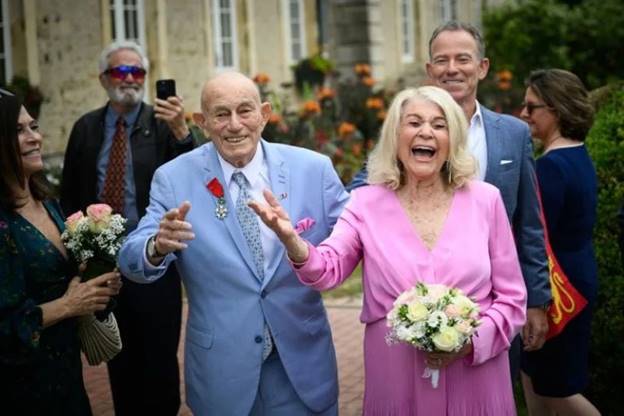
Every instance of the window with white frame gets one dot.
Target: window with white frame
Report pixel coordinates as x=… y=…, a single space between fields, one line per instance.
x=128 y=20
x=224 y=31
x=6 y=64
x=448 y=10
x=407 y=30
x=294 y=24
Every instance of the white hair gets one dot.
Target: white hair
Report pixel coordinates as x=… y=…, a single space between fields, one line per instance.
x=120 y=45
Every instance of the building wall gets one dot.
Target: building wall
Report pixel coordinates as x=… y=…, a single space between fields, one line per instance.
x=69 y=35
x=68 y=50
x=188 y=57
x=56 y=43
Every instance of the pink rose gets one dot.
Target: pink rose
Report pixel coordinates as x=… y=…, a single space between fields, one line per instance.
x=99 y=214
x=73 y=220
x=452 y=311
x=464 y=327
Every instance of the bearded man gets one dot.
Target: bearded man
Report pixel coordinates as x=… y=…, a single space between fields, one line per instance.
x=111 y=157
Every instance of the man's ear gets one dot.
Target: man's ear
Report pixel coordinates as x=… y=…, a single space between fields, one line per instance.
x=484 y=67
x=265 y=110
x=103 y=80
x=199 y=119
x=428 y=69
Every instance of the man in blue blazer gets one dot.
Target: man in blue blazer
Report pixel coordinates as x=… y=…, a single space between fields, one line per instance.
x=257 y=341
x=503 y=149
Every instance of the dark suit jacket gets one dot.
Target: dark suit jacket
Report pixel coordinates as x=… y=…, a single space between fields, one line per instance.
x=511 y=169
x=152 y=144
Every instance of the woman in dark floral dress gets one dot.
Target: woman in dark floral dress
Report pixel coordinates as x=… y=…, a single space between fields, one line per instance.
x=40 y=366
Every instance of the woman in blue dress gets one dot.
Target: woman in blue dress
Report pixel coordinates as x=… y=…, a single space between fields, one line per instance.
x=40 y=366
x=559 y=114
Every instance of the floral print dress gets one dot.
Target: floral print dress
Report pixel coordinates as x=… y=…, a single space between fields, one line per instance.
x=40 y=369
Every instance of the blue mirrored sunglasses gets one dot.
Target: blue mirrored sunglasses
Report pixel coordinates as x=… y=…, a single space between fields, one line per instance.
x=122 y=71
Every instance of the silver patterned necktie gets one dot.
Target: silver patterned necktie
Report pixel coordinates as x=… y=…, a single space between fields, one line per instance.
x=251 y=230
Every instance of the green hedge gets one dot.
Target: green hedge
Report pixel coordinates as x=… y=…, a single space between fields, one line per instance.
x=605 y=143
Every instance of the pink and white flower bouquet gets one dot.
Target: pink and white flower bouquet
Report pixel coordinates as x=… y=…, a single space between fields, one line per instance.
x=433 y=318
x=95 y=238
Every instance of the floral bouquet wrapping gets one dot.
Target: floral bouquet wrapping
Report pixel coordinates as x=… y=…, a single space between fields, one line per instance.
x=94 y=239
x=433 y=318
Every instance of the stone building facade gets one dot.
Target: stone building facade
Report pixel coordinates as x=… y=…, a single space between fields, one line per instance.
x=55 y=44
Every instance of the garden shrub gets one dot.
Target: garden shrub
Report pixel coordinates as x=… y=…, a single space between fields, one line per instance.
x=605 y=143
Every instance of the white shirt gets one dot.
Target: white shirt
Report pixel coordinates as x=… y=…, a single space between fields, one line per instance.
x=257 y=174
x=477 y=144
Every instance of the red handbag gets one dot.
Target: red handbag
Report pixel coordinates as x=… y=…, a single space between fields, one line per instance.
x=567 y=302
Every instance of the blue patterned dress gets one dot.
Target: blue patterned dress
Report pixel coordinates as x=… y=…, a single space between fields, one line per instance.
x=40 y=369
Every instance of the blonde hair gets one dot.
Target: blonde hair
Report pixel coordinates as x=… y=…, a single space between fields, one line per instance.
x=383 y=165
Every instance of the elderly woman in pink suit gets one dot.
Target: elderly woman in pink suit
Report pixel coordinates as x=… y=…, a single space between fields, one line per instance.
x=422 y=219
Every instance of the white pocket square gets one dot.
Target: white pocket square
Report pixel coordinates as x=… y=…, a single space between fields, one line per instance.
x=506 y=161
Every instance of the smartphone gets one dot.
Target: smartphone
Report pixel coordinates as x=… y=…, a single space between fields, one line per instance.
x=165 y=88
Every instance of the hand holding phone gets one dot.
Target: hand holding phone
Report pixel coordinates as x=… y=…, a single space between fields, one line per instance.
x=165 y=88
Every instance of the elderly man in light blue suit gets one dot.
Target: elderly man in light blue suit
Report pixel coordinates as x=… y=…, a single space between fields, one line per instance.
x=503 y=149
x=257 y=341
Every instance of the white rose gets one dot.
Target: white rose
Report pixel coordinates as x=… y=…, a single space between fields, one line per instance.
x=464 y=304
x=406 y=297
x=436 y=292
x=416 y=311
x=447 y=339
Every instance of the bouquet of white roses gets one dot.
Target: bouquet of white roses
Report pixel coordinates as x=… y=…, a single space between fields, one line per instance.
x=433 y=318
x=95 y=238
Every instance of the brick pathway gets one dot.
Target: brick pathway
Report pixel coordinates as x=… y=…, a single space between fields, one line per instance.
x=348 y=334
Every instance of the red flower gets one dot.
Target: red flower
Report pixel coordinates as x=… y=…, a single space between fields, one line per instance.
x=215 y=188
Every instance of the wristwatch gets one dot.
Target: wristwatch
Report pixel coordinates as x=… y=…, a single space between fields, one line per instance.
x=152 y=252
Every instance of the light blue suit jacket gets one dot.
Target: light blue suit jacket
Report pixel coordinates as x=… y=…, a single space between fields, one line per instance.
x=228 y=303
x=511 y=168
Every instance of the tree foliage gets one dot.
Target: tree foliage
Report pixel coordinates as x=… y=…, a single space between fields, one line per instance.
x=584 y=37
x=605 y=143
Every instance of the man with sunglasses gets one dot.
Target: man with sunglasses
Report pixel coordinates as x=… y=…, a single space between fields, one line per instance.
x=503 y=149
x=111 y=157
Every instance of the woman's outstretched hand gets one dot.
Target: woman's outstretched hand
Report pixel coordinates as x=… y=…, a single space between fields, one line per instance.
x=277 y=219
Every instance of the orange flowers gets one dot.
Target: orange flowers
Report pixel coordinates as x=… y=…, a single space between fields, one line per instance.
x=311 y=107
x=362 y=69
x=325 y=93
x=274 y=118
x=261 y=79
x=368 y=81
x=504 y=79
x=374 y=103
x=345 y=129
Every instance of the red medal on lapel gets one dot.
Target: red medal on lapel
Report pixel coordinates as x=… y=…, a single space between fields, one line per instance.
x=216 y=189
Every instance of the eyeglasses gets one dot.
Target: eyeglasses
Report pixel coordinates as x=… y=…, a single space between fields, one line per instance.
x=122 y=71
x=530 y=107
